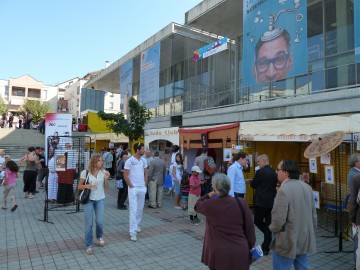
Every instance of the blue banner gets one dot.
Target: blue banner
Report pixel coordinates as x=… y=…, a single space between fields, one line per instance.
x=149 y=76
x=357 y=29
x=210 y=49
x=275 y=40
x=126 y=79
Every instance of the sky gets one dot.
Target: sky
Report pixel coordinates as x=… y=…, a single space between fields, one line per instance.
x=57 y=40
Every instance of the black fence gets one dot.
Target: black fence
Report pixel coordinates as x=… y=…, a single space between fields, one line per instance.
x=67 y=157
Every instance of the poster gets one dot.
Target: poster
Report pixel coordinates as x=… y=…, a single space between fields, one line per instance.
x=227 y=154
x=325 y=158
x=126 y=78
x=275 y=40
x=57 y=126
x=312 y=165
x=149 y=76
x=357 y=29
x=329 y=175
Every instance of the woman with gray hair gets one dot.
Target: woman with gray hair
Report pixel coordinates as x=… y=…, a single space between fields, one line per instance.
x=229 y=235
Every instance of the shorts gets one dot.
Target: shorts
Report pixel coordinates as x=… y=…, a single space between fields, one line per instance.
x=177 y=188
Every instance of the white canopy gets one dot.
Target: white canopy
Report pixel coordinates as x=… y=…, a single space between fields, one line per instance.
x=299 y=129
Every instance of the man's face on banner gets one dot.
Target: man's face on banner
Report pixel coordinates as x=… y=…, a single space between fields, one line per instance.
x=273 y=61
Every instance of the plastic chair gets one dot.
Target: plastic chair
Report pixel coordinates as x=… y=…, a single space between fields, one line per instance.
x=336 y=208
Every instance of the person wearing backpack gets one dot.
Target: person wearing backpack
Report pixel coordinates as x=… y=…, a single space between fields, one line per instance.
x=204 y=176
x=236 y=175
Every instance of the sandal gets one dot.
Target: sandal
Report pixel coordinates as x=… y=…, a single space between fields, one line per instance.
x=101 y=242
x=89 y=251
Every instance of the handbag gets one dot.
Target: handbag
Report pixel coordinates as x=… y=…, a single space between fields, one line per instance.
x=119 y=184
x=254 y=253
x=84 y=195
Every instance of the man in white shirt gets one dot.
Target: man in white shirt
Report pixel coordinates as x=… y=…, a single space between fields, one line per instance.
x=135 y=175
x=236 y=175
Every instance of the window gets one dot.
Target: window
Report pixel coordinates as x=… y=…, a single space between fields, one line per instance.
x=111 y=105
x=18 y=91
x=44 y=95
x=34 y=93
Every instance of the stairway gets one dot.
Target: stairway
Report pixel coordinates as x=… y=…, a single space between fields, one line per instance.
x=15 y=142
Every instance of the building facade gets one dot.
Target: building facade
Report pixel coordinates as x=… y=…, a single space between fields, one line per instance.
x=315 y=78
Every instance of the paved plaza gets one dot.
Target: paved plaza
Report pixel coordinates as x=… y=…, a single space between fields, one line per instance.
x=167 y=240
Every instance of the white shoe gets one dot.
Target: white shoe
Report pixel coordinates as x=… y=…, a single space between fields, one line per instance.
x=133 y=237
x=101 y=242
x=138 y=229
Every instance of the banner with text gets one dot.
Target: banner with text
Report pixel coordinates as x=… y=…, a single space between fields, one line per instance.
x=357 y=29
x=149 y=76
x=210 y=49
x=126 y=79
x=57 y=124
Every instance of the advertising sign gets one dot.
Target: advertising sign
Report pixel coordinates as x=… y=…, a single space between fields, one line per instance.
x=126 y=78
x=357 y=29
x=275 y=40
x=210 y=49
x=57 y=124
x=149 y=76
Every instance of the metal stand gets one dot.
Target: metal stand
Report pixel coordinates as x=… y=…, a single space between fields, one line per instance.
x=339 y=223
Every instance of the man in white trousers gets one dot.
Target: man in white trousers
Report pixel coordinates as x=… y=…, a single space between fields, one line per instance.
x=135 y=175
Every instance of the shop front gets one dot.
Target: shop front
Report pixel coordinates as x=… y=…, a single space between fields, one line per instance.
x=217 y=139
x=289 y=138
x=162 y=140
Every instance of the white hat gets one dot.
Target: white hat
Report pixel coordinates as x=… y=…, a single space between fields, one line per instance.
x=196 y=169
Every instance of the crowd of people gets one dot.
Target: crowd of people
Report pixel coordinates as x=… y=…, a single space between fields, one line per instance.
x=279 y=213
x=21 y=120
x=284 y=208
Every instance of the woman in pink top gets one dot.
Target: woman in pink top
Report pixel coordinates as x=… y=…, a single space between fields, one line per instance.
x=11 y=173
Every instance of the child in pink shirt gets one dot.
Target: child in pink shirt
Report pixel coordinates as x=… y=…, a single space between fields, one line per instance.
x=11 y=173
x=194 y=194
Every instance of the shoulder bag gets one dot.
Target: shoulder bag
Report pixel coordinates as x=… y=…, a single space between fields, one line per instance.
x=256 y=252
x=84 y=195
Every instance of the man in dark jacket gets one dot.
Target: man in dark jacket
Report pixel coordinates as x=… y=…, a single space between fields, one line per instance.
x=264 y=182
x=354 y=214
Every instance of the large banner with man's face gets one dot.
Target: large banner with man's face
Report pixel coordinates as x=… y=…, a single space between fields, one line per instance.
x=357 y=29
x=274 y=40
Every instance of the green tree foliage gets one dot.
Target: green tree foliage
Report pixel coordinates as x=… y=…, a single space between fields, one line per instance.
x=36 y=108
x=3 y=107
x=133 y=127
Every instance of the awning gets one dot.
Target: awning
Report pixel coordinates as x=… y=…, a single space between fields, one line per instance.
x=299 y=129
x=219 y=136
x=168 y=134
x=112 y=137
x=207 y=129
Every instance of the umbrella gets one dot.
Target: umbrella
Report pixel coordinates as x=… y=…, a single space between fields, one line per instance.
x=324 y=144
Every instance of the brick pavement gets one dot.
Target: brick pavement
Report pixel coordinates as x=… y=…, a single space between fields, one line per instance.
x=167 y=240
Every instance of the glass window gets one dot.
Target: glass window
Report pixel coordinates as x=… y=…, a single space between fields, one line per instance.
x=339 y=26
x=315 y=31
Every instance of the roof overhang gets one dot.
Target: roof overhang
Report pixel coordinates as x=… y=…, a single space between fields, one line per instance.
x=223 y=17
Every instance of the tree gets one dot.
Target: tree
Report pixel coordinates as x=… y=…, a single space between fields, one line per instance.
x=133 y=127
x=36 y=108
x=3 y=107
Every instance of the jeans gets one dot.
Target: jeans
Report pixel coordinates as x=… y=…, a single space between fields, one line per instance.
x=136 y=205
x=284 y=263
x=90 y=208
